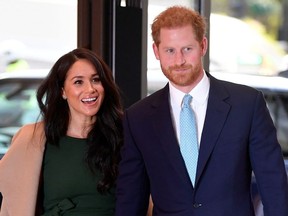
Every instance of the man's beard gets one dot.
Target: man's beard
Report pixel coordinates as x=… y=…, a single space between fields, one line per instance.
x=183 y=79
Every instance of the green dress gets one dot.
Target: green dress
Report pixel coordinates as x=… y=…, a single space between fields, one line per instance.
x=70 y=188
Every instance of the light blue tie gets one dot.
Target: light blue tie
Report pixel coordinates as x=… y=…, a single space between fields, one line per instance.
x=188 y=137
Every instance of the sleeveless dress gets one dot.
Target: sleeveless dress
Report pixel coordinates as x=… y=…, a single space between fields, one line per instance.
x=70 y=188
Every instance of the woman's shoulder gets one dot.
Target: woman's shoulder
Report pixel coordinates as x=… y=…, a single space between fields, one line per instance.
x=30 y=129
x=30 y=132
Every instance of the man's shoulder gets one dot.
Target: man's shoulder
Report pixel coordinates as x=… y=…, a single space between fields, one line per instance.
x=151 y=100
x=231 y=86
x=231 y=82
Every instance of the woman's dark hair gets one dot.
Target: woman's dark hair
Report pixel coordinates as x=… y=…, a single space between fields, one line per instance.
x=105 y=138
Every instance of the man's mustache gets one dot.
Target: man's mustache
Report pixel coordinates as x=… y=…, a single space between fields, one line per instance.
x=180 y=67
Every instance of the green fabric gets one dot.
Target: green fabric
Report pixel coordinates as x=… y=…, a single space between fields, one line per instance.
x=70 y=188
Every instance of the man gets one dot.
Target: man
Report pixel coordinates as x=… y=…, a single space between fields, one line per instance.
x=235 y=136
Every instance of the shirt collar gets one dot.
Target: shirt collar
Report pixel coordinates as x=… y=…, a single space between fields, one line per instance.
x=199 y=92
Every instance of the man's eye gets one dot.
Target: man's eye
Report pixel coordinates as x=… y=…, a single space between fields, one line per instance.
x=187 y=50
x=169 y=50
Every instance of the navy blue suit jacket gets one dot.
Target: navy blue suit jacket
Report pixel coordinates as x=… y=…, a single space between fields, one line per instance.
x=238 y=137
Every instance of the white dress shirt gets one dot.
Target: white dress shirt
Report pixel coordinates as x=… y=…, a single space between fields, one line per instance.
x=199 y=104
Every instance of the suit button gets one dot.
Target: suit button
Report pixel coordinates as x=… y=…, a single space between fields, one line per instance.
x=197 y=205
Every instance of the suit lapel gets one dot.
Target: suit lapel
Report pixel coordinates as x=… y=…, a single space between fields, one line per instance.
x=216 y=115
x=163 y=127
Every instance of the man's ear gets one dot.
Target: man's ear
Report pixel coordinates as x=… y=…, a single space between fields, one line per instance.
x=156 y=51
x=204 y=45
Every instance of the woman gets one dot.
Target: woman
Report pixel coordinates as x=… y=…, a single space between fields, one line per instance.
x=67 y=164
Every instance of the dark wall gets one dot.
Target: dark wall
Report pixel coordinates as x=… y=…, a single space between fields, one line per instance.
x=115 y=33
x=128 y=51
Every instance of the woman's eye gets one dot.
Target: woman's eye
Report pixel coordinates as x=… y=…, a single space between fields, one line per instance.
x=78 y=82
x=96 y=80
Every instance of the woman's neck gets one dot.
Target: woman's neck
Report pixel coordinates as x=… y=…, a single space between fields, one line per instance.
x=80 y=129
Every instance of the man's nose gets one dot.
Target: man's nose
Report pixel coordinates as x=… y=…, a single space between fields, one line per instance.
x=180 y=58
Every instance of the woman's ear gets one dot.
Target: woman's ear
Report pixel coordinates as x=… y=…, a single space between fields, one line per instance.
x=64 y=94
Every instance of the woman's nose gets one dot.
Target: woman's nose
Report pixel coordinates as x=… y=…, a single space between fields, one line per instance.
x=91 y=87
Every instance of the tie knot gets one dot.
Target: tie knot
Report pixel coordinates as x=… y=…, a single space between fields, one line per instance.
x=187 y=100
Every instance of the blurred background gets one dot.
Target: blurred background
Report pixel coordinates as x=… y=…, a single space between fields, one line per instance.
x=247 y=36
x=247 y=45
